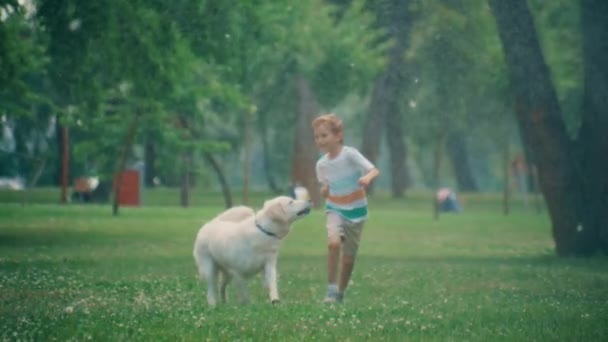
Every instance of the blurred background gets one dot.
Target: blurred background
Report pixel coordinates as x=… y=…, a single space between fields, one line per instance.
x=216 y=97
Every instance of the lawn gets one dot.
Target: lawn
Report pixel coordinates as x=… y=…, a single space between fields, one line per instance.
x=77 y=273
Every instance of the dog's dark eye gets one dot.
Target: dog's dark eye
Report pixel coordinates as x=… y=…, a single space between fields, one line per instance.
x=291 y=202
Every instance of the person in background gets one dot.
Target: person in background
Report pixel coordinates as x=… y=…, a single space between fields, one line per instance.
x=447 y=200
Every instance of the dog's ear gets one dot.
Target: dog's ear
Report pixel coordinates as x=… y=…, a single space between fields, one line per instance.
x=276 y=211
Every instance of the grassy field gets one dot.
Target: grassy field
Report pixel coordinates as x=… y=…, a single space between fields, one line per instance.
x=77 y=273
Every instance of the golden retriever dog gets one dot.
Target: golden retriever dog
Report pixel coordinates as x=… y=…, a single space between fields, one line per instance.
x=240 y=243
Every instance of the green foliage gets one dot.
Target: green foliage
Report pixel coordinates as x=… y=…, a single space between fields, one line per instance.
x=559 y=29
x=457 y=84
x=22 y=61
x=130 y=58
x=335 y=49
x=25 y=104
x=195 y=70
x=75 y=272
x=339 y=54
x=459 y=73
x=353 y=57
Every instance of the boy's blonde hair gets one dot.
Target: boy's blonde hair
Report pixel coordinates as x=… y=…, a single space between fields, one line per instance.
x=332 y=121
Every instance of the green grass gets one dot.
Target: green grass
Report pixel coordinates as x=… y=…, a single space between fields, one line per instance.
x=77 y=273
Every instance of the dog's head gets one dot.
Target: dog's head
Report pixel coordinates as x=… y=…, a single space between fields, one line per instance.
x=285 y=210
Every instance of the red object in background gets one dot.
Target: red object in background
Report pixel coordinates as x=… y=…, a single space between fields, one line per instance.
x=129 y=188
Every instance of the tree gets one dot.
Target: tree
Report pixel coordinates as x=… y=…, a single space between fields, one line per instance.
x=458 y=154
x=592 y=139
x=571 y=173
x=106 y=55
x=319 y=55
x=25 y=108
x=385 y=110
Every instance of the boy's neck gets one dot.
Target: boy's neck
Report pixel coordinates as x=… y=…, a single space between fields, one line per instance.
x=333 y=153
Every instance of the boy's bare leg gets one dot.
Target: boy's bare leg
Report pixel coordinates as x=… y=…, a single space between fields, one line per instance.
x=333 y=256
x=348 y=263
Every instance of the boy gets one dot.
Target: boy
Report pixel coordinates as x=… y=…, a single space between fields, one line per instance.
x=344 y=174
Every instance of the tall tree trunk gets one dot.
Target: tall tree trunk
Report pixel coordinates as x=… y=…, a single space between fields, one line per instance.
x=385 y=109
x=272 y=184
x=184 y=198
x=215 y=165
x=123 y=161
x=374 y=121
x=458 y=153
x=304 y=149
x=65 y=163
x=149 y=161
x=400 y=176
x=221 y=178
x=56 y=173
x=542 y=128
x=400 y=27
x=506 y=167
x=247 y=137
x=593 y=140
x=437 y=145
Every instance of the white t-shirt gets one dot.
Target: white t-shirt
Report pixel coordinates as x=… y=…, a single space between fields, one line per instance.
x=346 y=197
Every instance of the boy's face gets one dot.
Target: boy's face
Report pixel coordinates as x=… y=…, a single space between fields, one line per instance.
x=325 y=139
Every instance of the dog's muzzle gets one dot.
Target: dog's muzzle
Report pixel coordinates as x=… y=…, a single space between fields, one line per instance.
x=303 y=211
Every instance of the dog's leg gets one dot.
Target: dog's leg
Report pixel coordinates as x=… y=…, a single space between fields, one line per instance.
x=241 y=285
x=212 y=285
x=207 y=269
x=224 y=281
x=270 y=276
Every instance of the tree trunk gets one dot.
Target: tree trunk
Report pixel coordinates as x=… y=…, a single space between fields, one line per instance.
x=437 y=145
x=149 y=161
x=400 y=176
x=221 y=178
x=59 y=144
x=247 y=121
x=385 y=109
x=123 y=161
x=593 y=140
x=458 y=153
x=184 y=198
x=506 y=167
x=65 y=163
x=542 y=128
x=304 y=150
x=41 y=164
x=272 y=184
x=374 y=121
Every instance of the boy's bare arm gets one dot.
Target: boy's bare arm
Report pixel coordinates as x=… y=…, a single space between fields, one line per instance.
x=367 y=179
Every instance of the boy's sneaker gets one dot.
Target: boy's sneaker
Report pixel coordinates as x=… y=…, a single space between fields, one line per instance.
x=333 y=296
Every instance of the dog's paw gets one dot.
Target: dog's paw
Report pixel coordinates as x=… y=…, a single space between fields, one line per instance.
x=275 y=301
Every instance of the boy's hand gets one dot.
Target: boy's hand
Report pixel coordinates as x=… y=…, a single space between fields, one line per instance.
x=366 y=180
x=324 y=190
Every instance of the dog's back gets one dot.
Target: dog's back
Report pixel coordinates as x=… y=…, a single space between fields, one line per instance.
x=235 y=214
x=219 y=228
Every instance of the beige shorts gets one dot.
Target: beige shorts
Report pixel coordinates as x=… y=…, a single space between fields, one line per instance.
x=348 y=232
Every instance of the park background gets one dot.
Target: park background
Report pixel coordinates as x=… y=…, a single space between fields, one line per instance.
x=194 y=92
x=504 y=102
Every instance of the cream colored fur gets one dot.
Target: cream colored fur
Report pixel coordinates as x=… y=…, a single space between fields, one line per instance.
x=233 y=247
